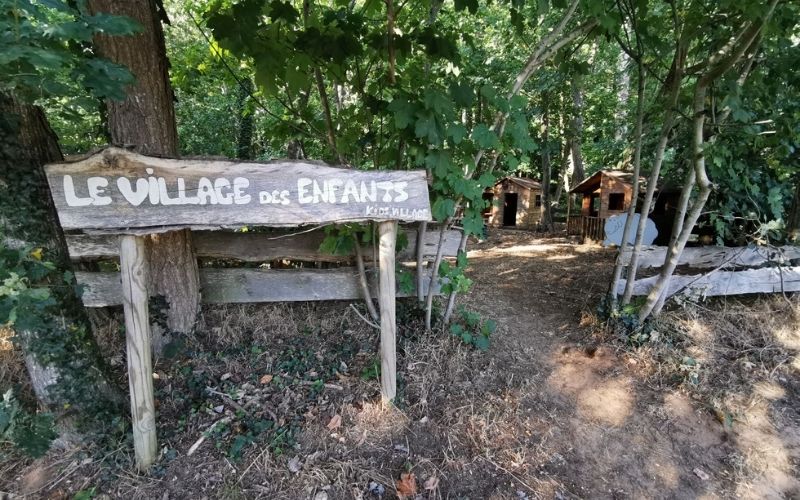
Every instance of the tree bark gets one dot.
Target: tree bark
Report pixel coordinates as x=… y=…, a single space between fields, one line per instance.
x=244 y=139
x=145 y=122
x=29 y=220
x=578 y=173
x=545 y=215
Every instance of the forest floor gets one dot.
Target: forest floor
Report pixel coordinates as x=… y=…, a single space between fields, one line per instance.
x=558 y=407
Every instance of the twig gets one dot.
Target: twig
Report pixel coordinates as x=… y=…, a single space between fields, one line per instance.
x=363 y=318
x=205 y=434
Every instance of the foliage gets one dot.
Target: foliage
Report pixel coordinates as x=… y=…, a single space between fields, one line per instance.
x=47 y=58
x=32 y=294
x=30 y=432
x=472 y=329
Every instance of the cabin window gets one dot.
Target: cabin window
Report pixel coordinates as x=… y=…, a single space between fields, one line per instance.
x=616 y=201
x=537 y=202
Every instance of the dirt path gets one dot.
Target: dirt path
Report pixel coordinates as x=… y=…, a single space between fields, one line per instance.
x=608 y=434
x=550 y=411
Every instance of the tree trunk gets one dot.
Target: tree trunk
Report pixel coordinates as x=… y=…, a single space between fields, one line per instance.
x=578 y=173
x=145 y=122
x=29 y=220
x=623 y=93
x=244 y=139
x=546 y=218
x=793 y=226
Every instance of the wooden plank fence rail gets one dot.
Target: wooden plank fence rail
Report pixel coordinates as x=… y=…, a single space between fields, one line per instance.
x=574 y=224
x=240 y=285
x=593 y=228
x=713 y=256
x=263 y=247
x=764 y=280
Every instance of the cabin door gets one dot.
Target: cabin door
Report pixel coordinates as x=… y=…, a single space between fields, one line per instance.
x=510 y=209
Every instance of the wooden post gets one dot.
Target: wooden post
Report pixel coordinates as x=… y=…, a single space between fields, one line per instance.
x=133 y=267
x=388 y=236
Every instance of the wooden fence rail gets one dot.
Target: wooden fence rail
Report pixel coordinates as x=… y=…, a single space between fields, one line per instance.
x=764 y=280
x=712 y=256
x=264 y=247
x=240 y=285
x=593 y=228
x=727 y=276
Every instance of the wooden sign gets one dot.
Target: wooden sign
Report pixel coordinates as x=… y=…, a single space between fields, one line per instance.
x=116 y=189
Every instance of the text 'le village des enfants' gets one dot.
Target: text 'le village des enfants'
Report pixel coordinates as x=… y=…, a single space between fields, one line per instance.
x=158 y=191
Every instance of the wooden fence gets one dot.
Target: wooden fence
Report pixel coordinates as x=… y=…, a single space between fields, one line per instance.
x=733 y=270
x=242 y=285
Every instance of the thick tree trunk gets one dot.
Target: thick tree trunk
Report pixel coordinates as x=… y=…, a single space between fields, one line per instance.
x=623 y=93
x=145 y=122
x=29 y=220
x=578 y=173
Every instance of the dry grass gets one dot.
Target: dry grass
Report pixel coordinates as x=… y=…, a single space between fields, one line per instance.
x=13 y=374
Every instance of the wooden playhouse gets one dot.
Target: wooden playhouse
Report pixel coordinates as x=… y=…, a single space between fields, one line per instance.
x=514 y=202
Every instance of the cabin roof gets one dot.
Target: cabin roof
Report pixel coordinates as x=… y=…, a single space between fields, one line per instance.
x=592 y=183
x=522 y=182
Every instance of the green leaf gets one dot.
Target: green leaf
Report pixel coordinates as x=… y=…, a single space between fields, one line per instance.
x=403 y=112
x=484 y=137
x=443 y=208
x=462 y=94
x=457 y=132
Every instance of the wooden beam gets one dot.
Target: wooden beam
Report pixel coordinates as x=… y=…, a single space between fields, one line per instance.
x=711 y=257
x=388 y=303
x=239 y=285
x=764 y=280
x=264 y=247
x=135 y=298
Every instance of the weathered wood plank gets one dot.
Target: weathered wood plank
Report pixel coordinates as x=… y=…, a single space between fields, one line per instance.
x=133 y=291
x=711 y=257
x=119 y=190
x=263 y=247
x=764 y=280
x=240 y=285
x=388 y=306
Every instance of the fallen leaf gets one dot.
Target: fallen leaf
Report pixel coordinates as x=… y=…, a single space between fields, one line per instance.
x=335 y=423
x=294 y=465
x=266 y=379
x=431 y=483
x=407 y=485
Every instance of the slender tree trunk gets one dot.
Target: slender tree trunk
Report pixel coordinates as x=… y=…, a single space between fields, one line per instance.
x=719 y=63
x=637 y=162
x=244 y=139
x=545 y=214
x=28 y=219
x=145 y=122
x=672 y=92
x=793 y=225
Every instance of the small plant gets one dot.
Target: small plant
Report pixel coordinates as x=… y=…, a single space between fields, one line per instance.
x=30 y=432
x=472 y=329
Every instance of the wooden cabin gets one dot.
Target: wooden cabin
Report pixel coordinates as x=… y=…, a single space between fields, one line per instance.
x=514 y=202
x=606 y=193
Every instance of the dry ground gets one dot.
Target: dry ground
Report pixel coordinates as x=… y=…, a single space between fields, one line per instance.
x=557 y=408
